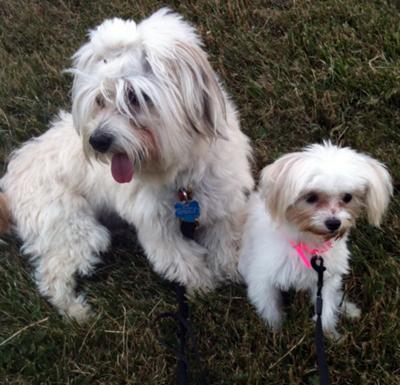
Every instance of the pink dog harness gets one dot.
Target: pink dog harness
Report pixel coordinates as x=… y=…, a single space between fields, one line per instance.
x=305 y=252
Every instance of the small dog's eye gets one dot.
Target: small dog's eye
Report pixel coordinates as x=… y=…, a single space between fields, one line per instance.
x=100 y=101
x=347 y=198
x=312 y=198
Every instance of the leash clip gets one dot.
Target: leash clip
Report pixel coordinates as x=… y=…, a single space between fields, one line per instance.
x=317 y=263
x=185 y=195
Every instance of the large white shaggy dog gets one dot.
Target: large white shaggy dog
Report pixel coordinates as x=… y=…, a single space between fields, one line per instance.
x=306 y=204
x=149 y=117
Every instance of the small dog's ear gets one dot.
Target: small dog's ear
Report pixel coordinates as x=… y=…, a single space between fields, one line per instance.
x=379 y=191
x=277 y=185
x=197 y=89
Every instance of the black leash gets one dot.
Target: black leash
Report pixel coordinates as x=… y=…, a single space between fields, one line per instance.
x=317 y=263
x=187 y=210
x=184 y=328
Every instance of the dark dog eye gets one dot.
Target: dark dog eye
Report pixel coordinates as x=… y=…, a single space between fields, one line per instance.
x=312 y=198
x=133 y=99
x=146 y=97
x=100 y=101
x=347 y=198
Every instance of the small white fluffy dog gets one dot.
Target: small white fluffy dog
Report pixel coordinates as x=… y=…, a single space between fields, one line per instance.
x=149 y=117
x=306 y=203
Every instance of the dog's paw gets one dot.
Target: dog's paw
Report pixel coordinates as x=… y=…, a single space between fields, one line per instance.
x=330 y=330
x=351 y=310
x=276 y=325
x=193 y=292
x=79 y=312
x=200 y=282
x=334 y=335
x=273 y=320
x=231 y=273
x=195 y=274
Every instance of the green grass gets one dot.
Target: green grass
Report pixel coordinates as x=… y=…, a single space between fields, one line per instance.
x=300 y=72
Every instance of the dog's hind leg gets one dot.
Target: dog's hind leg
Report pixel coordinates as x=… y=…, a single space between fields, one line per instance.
x=68 y=244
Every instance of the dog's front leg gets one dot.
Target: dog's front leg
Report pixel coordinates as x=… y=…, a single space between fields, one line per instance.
x=267 y=299
x=174 y=257
x=222 y=238
x=331 y=296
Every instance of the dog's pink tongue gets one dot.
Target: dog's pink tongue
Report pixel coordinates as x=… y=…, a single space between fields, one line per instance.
x=121 y=168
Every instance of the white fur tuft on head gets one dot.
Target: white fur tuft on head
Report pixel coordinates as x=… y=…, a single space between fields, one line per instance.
x=114 y=35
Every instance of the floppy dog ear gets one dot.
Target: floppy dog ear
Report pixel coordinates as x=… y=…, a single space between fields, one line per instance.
x=192 y=87
x=379 y=191
x=199 y=103
x=172 y=50
x=279 y=185
x=202 y=97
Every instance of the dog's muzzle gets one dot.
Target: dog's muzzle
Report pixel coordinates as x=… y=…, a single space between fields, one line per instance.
x=101 y=142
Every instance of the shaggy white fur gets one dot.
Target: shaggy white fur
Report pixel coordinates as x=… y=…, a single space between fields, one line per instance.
x=309 y=197
x=149 y=116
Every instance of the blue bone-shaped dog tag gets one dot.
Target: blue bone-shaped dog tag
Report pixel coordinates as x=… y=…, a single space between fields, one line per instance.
x=187 y=211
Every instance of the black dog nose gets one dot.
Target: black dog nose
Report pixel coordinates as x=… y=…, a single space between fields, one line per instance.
x=332 y=224
x=101 y=142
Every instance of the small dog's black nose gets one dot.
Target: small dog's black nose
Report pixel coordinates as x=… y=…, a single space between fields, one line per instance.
x=101 y=142
x=332 y=224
